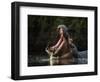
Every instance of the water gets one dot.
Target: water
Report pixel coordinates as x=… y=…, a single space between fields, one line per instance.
x=43 y=60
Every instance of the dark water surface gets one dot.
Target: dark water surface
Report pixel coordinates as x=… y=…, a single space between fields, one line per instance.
x=43 y=60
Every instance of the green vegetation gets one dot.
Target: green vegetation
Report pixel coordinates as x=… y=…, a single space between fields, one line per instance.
x=42 y=29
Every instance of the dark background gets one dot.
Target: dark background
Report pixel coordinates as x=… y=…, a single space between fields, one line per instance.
x=42 y=30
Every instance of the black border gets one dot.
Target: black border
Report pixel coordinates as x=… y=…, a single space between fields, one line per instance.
x=15 y=37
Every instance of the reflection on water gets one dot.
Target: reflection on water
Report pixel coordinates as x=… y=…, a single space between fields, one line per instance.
x=43 y=60
x=38 y=60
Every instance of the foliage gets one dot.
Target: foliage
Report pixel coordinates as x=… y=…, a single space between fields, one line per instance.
x=42 y=29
